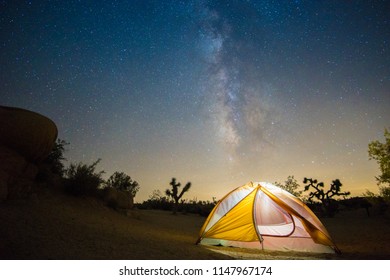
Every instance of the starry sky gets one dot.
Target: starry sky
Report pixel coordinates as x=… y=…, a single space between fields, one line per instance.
x=218 y=93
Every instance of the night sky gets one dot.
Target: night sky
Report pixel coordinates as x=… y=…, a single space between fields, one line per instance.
x=218 y=93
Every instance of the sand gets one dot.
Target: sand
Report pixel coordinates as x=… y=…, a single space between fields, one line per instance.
x=52 y=225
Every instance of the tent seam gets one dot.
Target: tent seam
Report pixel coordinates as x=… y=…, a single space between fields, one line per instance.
x=259 y=235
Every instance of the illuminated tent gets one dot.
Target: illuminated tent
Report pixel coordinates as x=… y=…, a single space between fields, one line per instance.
x=261 y=215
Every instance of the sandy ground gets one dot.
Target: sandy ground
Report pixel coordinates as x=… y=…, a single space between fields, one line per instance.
x=57 y=226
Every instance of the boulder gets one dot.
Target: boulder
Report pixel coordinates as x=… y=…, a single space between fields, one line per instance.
x=11 y=162
x=31 y=134
x=26 y=138
x=17 y=175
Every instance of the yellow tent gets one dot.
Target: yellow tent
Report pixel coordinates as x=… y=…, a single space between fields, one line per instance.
x=261 y=215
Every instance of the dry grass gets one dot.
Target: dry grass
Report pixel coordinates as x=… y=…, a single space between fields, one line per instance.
x=56 y=226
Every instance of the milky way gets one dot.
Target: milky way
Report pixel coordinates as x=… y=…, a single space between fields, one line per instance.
x=242 y=113
x=218 y=93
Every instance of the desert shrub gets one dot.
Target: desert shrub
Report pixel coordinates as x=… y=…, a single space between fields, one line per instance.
x=378 y=202
x=51 y=169
x=156 y=201
x=56 y=157
x=123 y=182
x=159 y=202
x=82 y=179
x=291 y=185
x=202 y=208
x=384 y=192
x=357 y=203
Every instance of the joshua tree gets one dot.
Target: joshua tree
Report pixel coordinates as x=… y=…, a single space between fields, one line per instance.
x=174 y=193
x=326 y=198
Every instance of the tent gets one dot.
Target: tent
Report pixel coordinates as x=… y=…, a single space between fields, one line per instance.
x=264 y=216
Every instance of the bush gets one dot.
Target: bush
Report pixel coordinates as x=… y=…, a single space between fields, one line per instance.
x=56 y=157
x=159 y=202
x=51 y=169
x=385 y=193
x=82 y=179
x=202 y=208
x=291 y=185
x=116 y=199
x=123 y=182
x=378 y=202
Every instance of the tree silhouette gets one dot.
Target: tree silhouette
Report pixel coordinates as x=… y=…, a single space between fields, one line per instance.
x=291 y=185
x=381 y=153
x=326 y=198
x=82 y=179
x=174 y=193
x=56 y=157
x=123 y=182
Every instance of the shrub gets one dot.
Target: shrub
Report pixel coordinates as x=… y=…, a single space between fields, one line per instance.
x=82 y=179
x=51 y=170
x=56 y=157
x=385 y=193
x=379 y=202
x=156 y=201
x=123 y=182
x=117 y=199
x=291 y=185
x=160 y=202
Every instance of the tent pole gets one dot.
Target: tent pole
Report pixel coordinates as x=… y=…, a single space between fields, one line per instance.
x=254 y=219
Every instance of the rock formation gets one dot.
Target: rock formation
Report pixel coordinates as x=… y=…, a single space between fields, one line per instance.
x=26 y=138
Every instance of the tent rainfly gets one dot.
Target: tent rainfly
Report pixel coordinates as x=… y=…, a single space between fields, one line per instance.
x=263 y=216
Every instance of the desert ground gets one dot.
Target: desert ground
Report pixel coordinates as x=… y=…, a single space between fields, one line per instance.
x=52 y=225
